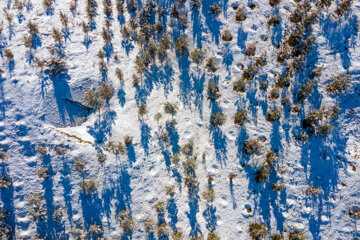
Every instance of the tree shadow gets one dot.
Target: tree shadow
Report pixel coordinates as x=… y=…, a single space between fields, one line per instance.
x=241 y=39
x=145 y=136
x=210 y=217
x=172 y=212
x=91 y=206
x=102 y=128
x=174 y=136
x=212 y=22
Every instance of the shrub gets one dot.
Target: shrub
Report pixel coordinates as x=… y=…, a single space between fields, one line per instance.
x=175 y=11
x=278 y=187
x=175 y=159
x=277 y=237
x=43 y=151
x=195 y=4
x=170 y=108
x=105 y=91
x=61 y=150
x=215 y=10
x=3 y=156
x=166 y=41
x=190 y=182
x=188 y=149
x=274 y=3
x=95 y=229
x=257 y=230
x=56 y=65
x=226 y=35
x=240 y=117
x=135 y=80
x=128 y=140
x=274 y=20
x=274 y=93
x=89 y=186
x=149 y=225
x=159 y=207
x=64 y=19
x=43 y=173
x=343 y=8
x=142 y=110
x=190 y=165
x=57 y=35
x=305 y=90
x=213 y=91
x=274 y=115
x=38 y=213
x=339 y=84
x=250 y=72
x=177 y=235
x=252 y=146
x=251 y=50
x=316 y=72
x=182 y=45
x=8 y=54
x=261 y=61
x=92 y=99
x=262 y=174
x=270 y=158
x=312 y=191
x=355 y=213
x=218 y=119
x=101 y=158
x=35 y=199
x=170 y=190
x=240 y=85
x=212 y=236
x=5 y=182
x=197 y=56
x=297 y=235
x=162 y=230
x=240 y=14
x=47 y=3
x=208 y=195
x=58 y=214
x=8 y=16
x=211 y=65
x=77 y=233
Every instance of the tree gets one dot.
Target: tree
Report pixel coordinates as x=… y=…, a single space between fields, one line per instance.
x=182 y=45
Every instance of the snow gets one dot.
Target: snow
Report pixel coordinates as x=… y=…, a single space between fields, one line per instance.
x=34 y=111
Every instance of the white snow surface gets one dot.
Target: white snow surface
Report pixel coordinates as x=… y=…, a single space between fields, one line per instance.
x=34 y=112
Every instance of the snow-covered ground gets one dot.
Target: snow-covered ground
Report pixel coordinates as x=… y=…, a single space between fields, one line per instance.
x=35 y=111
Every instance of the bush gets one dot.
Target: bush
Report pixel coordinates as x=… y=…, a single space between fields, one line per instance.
x=278 y=187
x=226 y=35
x=175 y=159
x=77 y=233
x=218 y=119
x=3 y=156
x=190 y=182
x=257 y=230
x=8 y=54
x=208 y=195
x=95 y=229
x=58 y=214
x=101 y=158
x=38 y=213
x=170 y=190
x=213 y=91
x=43 y=173
x=211 y=65
x=197 y=56
x=128 y=140
x=105 y=91
x=240 y=117
x=343 y=8
x=43 y=151
x=195 y=4
x=182 y=44
x=5 y=182
x=251 y=50
x=277 y=237
x=274 y=3
x=339 y=84
x=89 y=186
x=297 y=235
x=212 y=236
x=159 y=207
x=215 y=10
x=262 y=174
x=240 y=85
x=240 y=14
x=274 y=20
x=142 y=110
x=162 y=230
x=190 y=165
x=274 y=115
x=149 y=225
x=170 y=108
x=177 y=235
x=252 y=146
x=312 y=191
x=188 y=149
x=274 y=93
x=57 y=35
x=305 y=90
x=250 y=72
